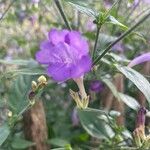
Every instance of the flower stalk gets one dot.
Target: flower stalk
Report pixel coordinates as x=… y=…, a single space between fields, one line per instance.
x=82 y=101
x=60 y=8
x=96 y=40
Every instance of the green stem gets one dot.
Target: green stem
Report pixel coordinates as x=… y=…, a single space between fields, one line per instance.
x=120 y=38
x=96 y=40
x=62 y=13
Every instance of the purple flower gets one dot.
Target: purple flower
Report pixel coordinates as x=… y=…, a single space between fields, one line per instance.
x=90 y=26
x=107 y=4
x=118 y=47
x=66 y=55
x=96 y=86
x=140 y=59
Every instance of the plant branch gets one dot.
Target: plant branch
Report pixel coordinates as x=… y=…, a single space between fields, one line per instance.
x=120 y=38
x=96 y=40
x=60 y=8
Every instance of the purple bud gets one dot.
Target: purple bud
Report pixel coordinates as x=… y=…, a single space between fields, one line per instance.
x=96 y=86
x=31 y=95
x=141 y=117
x=140 y=59
x=75 y=118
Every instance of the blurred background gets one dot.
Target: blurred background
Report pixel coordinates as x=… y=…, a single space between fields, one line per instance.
x=23 y=25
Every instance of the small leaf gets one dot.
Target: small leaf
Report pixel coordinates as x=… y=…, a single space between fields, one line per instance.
x=58 y=142
x=139 y=80
x=21 y=143
x=94 y=122
x=18 y=93
x=118 y=58
x=83 y=7
x=129 y=101
x=114 y=21
x=4 y=132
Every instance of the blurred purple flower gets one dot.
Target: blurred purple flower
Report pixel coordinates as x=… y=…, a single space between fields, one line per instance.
x=96 y=86
x=140 y=59
x=147 y=1
x=90 y=26
x=118 y=47
x=107 y=4
x=75 y=118
x=66 y=55
x=33 y=19
x=35 y=1
x=135 y=3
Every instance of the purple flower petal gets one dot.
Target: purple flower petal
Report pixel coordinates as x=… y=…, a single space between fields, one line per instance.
x=82 y=66
x=140 y=59
x=56 y=36
x=75 y=39
x=44 y=55
x=59 y=72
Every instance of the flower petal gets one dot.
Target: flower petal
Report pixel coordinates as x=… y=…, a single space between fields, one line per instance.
x=81 y=67
x=75 y=40
x=59 y=72
x=43 y=56
x=55 y=36
x=140 y=59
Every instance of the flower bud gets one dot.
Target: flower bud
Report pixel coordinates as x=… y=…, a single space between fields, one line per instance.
x=34 y=85
x=9 y=113
x=141 y=117
x=31 y=95
x=42 y=79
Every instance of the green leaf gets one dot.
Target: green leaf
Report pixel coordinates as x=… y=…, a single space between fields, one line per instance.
x=4 y=132
x=19 y=143
x=118 y=58
x=58 y=142
x=139 y=80
x=112 y=87
x=129 y=101
x=20 y=62
x=82 y=7
x=18 y=93
x=27 y=67
x=114 y=21
x=95 y=123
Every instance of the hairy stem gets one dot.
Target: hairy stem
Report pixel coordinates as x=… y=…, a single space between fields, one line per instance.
x=60 y=8
x=120 y=38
